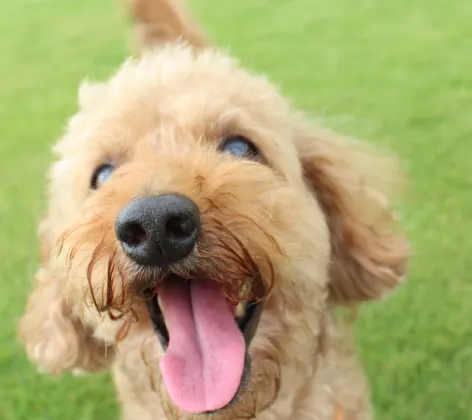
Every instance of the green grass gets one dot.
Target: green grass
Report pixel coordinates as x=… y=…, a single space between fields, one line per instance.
x=397 y=72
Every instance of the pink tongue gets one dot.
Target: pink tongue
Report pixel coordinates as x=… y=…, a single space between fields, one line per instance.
x=204 y=363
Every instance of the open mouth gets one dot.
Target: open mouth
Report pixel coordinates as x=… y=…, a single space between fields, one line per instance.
x=205 y=338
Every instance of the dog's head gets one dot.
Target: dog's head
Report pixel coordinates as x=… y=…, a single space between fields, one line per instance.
x=189 y=197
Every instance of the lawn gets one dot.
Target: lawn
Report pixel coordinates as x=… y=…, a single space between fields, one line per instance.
x=395 y=72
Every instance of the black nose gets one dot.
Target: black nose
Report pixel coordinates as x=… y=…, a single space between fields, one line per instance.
x=158 y=230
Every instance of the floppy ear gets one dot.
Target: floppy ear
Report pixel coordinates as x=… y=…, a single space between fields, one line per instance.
x=352 y=184
x=162 y=21
x=54 y=338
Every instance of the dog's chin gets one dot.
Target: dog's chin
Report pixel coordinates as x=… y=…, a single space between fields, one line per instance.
x=245 y=317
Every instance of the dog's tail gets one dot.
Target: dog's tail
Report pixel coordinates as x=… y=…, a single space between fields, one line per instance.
x=161 y=21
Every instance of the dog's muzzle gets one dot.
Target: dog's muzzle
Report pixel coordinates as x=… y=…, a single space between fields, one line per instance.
x=205 y=335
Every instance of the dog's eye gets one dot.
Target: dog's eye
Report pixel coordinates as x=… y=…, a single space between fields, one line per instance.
x=101 y=174
x=240 y=147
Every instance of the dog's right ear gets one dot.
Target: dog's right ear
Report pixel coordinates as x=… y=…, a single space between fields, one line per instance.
x=162 y=21
x=55 y=339
x=369 y=252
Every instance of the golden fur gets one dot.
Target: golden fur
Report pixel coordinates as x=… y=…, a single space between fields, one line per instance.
x=314 y=220
x=161 y=21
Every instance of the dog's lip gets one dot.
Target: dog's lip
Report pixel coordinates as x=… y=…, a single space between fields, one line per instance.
x=158 y=323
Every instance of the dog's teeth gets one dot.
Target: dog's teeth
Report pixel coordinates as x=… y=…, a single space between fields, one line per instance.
x=240 y=309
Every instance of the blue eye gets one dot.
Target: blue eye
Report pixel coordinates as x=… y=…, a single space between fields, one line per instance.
x=240 y=147
x=101 y=174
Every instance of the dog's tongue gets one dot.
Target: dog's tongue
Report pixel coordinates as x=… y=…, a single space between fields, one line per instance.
x=204 y=362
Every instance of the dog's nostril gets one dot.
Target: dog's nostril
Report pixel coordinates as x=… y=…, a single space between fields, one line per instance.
x=180 y=227
x=132 y=234
x=158 y=230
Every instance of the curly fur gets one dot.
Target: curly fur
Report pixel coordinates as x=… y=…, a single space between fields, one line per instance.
x=306 y=230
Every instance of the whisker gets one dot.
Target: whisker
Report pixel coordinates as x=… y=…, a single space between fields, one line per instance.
x=93 y=261
x=110 y=279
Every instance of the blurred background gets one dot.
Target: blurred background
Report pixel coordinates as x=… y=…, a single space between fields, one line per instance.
x=398 y=73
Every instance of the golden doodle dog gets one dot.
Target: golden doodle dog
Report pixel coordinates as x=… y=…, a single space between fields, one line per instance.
x=199 y=238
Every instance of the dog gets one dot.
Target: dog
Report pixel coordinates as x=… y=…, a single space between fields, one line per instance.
x=202 y=238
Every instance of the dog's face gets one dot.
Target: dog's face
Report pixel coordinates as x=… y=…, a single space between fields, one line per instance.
x=189 y=199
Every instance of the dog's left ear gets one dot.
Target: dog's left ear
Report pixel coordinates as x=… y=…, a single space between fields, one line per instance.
x=369 y=254
x=54 y=337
